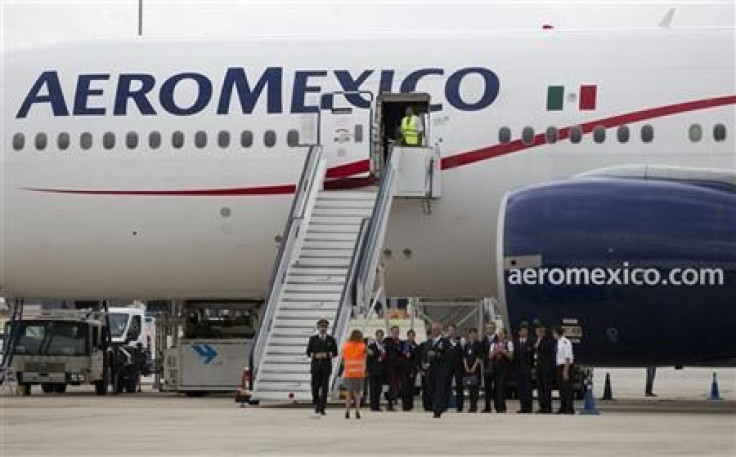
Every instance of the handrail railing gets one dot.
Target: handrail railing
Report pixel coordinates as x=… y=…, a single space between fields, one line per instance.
x=314 y=168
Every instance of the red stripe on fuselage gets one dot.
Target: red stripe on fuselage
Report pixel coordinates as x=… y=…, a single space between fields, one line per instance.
x=341 y=172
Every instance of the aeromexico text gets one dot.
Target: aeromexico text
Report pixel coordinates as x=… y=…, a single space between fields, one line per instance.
x=237 y=90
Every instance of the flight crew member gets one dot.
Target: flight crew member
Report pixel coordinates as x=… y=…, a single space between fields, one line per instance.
x=410 y=370
x=455 y=367
x=321 y=348
x=411 y=128
x=544 y=366
x=488 y=341
x=423 y=369
x=564 y=371
x=524 y=362
x=502 y=355
x=472 y=358
x=436 y=356
x=376 y=369
x=394 y=365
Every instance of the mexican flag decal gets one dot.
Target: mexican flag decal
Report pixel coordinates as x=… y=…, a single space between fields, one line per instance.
x=586 y=96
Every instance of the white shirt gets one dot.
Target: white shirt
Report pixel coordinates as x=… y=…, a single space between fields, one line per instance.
x=564 y=350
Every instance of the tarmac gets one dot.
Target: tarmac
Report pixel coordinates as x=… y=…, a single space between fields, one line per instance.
x=680 y=421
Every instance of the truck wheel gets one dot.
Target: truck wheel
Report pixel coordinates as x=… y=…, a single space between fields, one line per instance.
x=24 y=389
x=47 y=388
x=101 y=386
x=60 y=388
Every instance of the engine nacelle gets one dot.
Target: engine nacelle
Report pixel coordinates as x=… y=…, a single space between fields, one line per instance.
x=660 y=257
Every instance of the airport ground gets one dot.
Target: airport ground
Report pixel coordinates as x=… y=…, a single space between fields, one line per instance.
x=680 y=421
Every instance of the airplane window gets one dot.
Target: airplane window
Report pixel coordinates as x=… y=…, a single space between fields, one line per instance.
x=269 y=138
x=504 y=135
x=647 y=133
x=41 y=141
x=551 y=135
x=292 y=138
x=177 y=139
x=108 y=140
x=223 y=139
x=154 y=140
x=246 y=138
x=85 y=140
x=527 y=135
x=719 y=132
x=695 y=133
x=576 y=134
x=599 y=134
x=131 y=140
x=19 y=140
x=200 y=139
x=623 y=134
x=62 y=141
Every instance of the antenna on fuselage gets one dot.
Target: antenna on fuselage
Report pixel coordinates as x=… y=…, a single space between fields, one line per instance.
x=666 y=21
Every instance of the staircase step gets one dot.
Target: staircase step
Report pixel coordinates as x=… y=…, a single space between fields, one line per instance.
x=286 y=350
x=341 y=212
x=335 y=220
x=313 y=288
x=293 y=322
x=307 y=296
x=284 y=377
x=296 y=362
x=309 y=305
x=321 y=228
x=312 y=253
x=315 y=280
x=332 y=195
x=331 y=236
x=292 y=332
x=309 y=244
x=359 y=204
x=316 y=271
x=323 y=262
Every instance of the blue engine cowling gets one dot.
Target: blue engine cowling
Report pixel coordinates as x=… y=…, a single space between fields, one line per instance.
x=624 y=224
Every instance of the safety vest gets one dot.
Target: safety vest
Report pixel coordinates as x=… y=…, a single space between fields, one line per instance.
x=353 y=359
x=409 y=130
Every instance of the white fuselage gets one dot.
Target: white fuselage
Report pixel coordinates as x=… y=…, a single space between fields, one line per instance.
x=202 y=221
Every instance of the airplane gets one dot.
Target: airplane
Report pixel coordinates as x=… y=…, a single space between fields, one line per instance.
x=164 y=169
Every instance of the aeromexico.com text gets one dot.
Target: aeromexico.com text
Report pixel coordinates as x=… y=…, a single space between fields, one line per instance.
x=617 y=276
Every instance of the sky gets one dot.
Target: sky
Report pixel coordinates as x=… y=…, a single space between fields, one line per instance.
x=32 y=23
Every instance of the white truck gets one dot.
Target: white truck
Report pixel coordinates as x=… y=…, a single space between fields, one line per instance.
x=60 y=348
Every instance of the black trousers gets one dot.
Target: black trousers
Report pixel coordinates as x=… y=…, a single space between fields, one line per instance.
x=321 y=384
x=488 y=379
x=474 y=390
x=395 y=375
x=565 y=388
x=426 y=392
x=455 y=373
x=524 y=389
x=376 y=387
x=438 y=378
x=544 y=389
x=408 y=381
x=501 y=372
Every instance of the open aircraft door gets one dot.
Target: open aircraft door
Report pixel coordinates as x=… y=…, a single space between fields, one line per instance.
x=345 y=126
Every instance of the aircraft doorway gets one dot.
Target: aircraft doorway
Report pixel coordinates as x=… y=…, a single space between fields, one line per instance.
x=390 y=110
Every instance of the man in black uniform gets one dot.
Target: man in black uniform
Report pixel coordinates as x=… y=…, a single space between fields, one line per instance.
x=376 y=365
x=410 y=356
x=437 y=348
x=524 y=362
x=455 y=367
x=545 y=355
x=321 y=348
x=423 y=368
x=394 y=365
x=488 y=376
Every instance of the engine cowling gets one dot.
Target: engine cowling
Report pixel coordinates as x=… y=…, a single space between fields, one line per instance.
x=658 y=230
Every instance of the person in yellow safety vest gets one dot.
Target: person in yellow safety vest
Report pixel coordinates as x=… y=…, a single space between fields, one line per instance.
x=411 y=128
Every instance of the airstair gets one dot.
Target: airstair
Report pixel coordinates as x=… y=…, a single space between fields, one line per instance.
x=328 y=262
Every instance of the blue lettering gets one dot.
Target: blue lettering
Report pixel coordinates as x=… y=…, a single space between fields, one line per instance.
x=139 y=96
x=410 y=83
x=301 y=88
x=204 y=94
x=387 y=81
x=235 y=77
x=489 y=93
x=84 y=92
x=353 y=85
x=54 y=96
